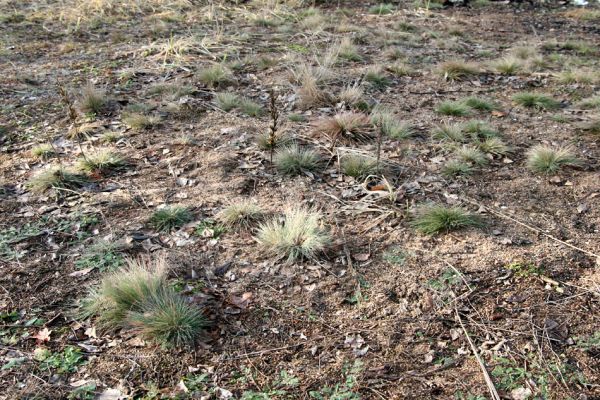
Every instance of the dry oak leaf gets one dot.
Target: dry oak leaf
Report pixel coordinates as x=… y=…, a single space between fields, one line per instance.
x=42 y=336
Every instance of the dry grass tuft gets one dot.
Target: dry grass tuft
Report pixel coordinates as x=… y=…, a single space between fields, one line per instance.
x=242 y=214
x=139 y=297
x=92 y=100
x=547 y=160
x=346 y=126
x=433 y=219
x=458 y=70
x=299 y=236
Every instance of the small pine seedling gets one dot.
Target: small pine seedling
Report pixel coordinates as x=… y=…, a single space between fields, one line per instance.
x=453 y=108
x=546 y=160
x=300 y=236
x=169 y=218
x=535 y=100
x=434 y=219
x=358 y=166
x=293 y=160
x=242 y=214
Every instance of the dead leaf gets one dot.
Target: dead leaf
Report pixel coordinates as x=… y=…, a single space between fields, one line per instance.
x=81 y=272
x=42 y=336
x=111 y=394
x=361 y=256
x=241 y=301
x=91 y=332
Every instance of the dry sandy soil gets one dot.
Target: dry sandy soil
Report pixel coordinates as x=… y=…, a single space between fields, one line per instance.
x=387 y=312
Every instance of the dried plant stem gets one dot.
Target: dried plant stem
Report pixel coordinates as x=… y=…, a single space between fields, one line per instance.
x=274 y=124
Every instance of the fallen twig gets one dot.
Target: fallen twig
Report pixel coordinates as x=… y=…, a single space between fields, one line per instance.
x=486 y=376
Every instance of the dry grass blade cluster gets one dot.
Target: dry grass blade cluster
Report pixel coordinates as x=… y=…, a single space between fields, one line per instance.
x=242 y=214
x=299 y=236
x=139 y=297
x=350 y=126
x=56 y=178
x=457 y=70
x=434 y=219
x=546 y=160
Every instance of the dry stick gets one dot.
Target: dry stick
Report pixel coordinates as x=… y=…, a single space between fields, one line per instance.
x=486 y=376
x=532 y=228
x=273 y=127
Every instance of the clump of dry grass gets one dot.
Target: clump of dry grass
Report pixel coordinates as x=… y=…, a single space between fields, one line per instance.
x=293 y=160
x=168 y=218
x=508 y=65
x=92 y=100
x=457 y=70
x=389 y=124
x=56 y=178
x=590 y=103
x=173 y=91
x=215 y=75
x=535 y=100
x=139 y=121
x=102 y=161
x=267 y=142
x=578 y=76
x=524 y=52
x=494 y=146
x=433 y=219
x=358 y=165
x=401 y=69
x=592 y=125
x=242 y=214
x=546 y=160
x=351 y=95
x=345 y=126
x=43 y=151
x=139 y=297
x=299 y=236
x=454 y=168
x=348 y=51
x=311 y=95
x=450 y=132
